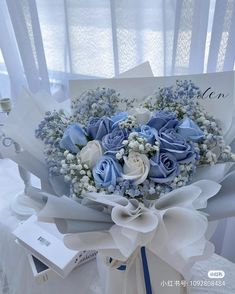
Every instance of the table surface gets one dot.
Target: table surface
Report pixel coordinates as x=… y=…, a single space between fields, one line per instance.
x=16 y=276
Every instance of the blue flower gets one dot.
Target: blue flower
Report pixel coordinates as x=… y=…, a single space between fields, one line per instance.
x=119 y=117
x=163 y=168
x=107 y=171
x=74 y=137
x=190 y=130
x=99 y=127
x=113 y=141
x=174 y=143
x=149 y=133
x=162 y=118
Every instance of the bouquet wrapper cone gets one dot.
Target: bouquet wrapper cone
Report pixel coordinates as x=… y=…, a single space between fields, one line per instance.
x=130 y=279
x=145 y=248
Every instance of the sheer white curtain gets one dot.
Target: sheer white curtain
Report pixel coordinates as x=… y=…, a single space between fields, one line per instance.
x=44 y=43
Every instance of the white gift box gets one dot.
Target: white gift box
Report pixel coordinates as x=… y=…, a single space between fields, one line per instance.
x=44 y=241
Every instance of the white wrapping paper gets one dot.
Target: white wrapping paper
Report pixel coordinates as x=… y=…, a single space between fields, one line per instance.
x=223 y=204
x=172 y=230
x=65 y=208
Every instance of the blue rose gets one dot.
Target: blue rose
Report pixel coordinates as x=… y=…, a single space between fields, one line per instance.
x=99 y=127
x=163 y=168
x=171 y=141
x=113 y=141
x=161 y=118
x=74 y=137
x=119 y=117
x=107 y=171
x=149 y=133
x=190 y=130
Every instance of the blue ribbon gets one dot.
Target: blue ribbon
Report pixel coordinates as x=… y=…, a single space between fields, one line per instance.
x=147 y=280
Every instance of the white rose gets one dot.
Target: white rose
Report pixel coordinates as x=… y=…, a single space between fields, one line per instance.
x=142 y=115
x=91 y=153
x=136 y=167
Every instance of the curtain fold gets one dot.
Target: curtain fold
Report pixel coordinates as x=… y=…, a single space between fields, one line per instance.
x=114 y=38
x=198 y=42
x=10 y=55
x=221 y=55
x=24 y=19
x=45 y=43
x=229 y=57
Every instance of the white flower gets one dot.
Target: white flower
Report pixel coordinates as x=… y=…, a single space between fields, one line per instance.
x=91 y=153
x=136 y=167
x=70 y=156
x=142 y=115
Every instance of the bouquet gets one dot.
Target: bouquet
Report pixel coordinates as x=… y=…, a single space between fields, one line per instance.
x=127 y=173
